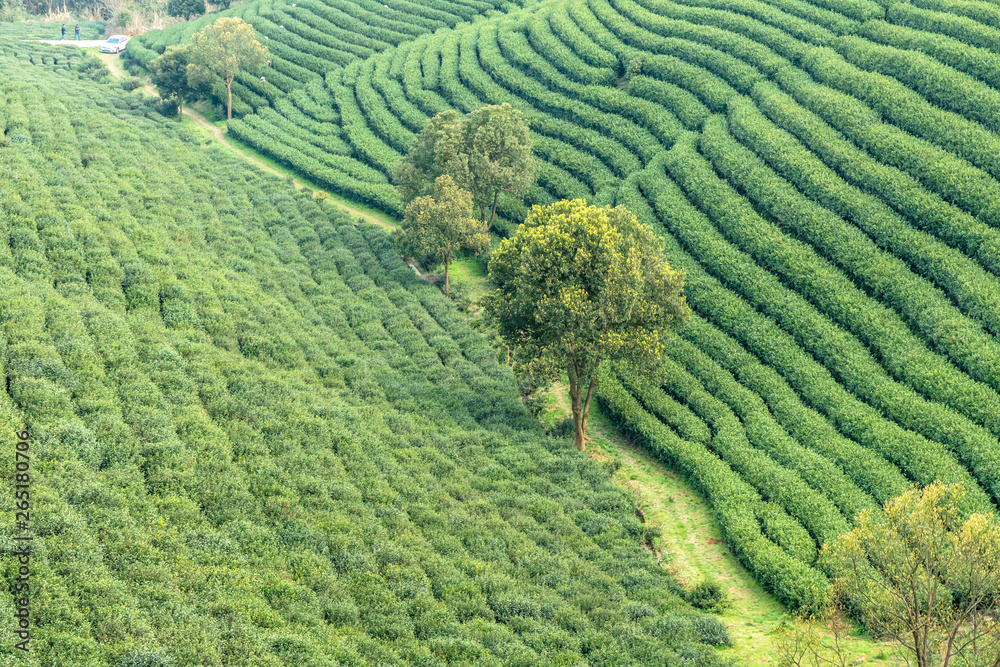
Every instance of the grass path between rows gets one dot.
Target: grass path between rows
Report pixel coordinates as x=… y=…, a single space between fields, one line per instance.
x=218 y=132
x=691 y=544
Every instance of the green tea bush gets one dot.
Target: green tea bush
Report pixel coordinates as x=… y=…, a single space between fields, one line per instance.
x=707 y=595
x=976 y=61
x=710 y=630
x=93 y=68
x=924 y=307
x=853 y=186
x=308 y=38
x=948 y=20
x=131 y=83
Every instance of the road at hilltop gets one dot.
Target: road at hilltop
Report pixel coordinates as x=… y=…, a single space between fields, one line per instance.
x=82 y=43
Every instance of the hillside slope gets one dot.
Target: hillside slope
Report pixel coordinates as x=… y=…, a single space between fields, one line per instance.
x=827 y=175
x=258 y=439
x=305 y=39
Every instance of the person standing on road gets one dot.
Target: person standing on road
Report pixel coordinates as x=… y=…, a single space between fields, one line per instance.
x=64 y=31
x=77 y=31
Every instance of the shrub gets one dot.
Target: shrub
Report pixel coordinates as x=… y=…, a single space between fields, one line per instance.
x=711 y=630
x=708 y=595
x=130 y=83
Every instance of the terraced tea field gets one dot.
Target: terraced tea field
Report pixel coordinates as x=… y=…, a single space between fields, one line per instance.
x=825 y=172
x=308 y=38
x=257 y=438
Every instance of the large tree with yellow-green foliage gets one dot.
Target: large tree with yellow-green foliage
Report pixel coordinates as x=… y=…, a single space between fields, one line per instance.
x=442 y=224
x=578 y=285
x=220 y=50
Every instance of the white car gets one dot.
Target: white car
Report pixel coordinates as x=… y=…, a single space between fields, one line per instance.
x=115 y=44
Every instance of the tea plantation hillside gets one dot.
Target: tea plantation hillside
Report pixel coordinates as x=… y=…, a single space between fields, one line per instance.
x=258 y=439
x=305 y=39
x=32 y=30
x=827 y=175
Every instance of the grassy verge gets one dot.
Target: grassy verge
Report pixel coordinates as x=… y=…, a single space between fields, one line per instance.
x=112 y=60
x=690 y=542
x=206 y=109
x=202 y=133
x=469 y=274
x=469 y=282
x=382 y=217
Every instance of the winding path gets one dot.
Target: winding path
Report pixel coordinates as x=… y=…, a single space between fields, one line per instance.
x=219 y=134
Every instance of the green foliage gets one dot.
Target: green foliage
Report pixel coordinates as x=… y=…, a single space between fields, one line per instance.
x=12 y=10
x=222 y=50
x=486 y=152
x=260 y=438
x=27 y=26
x=170 y=74
x=925 y=576
x=441 y=225
x=93 y=68
x=825 y=173
x=708 y=595
x=131 y=83
x=318 y=35
x=185 y=9
x=417 y=173
x=578 y=285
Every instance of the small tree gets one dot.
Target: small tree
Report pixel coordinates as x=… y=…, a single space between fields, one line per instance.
x=418 y=171
x=170 y=74
x=219 y=51
x=442 y=224
x=925 y=577
x=816 y=637
x=487 y=152
x=579 y=284
x=185 y=8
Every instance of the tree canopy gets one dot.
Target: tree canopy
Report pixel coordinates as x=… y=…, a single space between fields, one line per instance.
x=923 y=574
x=577 y=285
x=220 y=50
x=442 y=224
x=185 y=8
x=170 y=74
x=487 y=152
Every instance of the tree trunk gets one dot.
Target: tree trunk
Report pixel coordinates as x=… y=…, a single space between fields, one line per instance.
x=586 y=407
x=482 y=213
x=579 y=425
x=229 y=87
x=489 y=224
x=581 y=407
x=918 y=647
x=447 y=283
x=180 y=107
